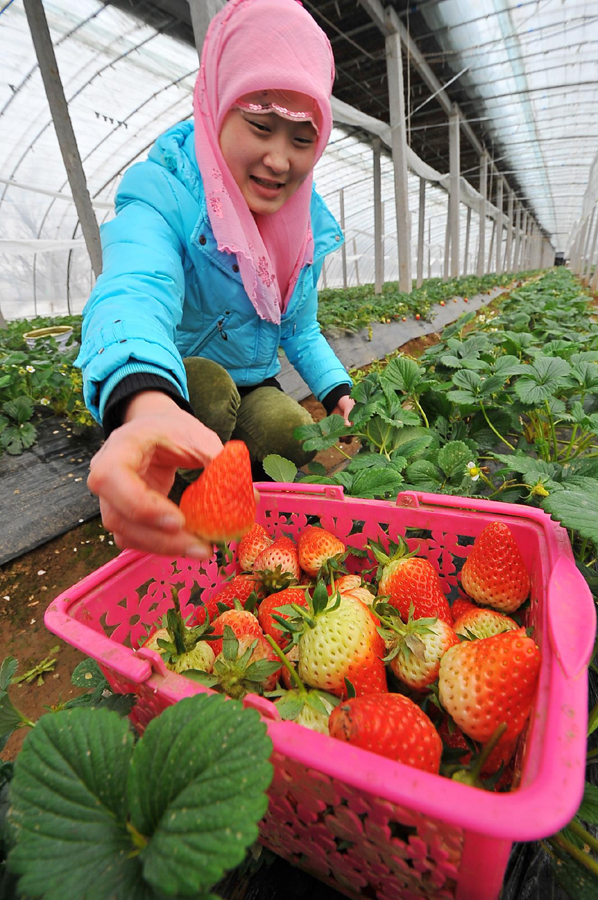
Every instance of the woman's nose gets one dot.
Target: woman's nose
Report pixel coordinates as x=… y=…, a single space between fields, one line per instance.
x=277 y=158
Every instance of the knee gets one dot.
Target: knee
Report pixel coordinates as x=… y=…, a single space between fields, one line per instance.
x=213 y=395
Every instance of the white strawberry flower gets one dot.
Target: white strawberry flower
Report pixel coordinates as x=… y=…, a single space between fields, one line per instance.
x=473 y=471
x=44 y=401
x=30 y=368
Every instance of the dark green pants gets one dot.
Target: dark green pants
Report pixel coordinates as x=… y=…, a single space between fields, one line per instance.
x=265 y=418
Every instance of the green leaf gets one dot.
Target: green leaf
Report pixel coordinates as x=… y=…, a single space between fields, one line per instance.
x=11 y=440
x=10 y=717
x=19 y=410
x=376 y=483
x=197 y=788
x=462 y=398
x=507 y=366
x=577 y=881
x=290 y=705
x=88 y=675
x=68 y=811
x=28 y=435
x=575 y=509
x=279 y=468
x=588 y=811
x=453 y=458
x=322 y=435
x=7 y=670
x=423 y=473
x=544 y=377
x=401 y=374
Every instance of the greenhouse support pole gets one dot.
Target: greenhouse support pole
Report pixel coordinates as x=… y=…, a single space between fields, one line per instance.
x=586 y=245
x=523 y=244
x=499 y=225
x=509 y=246
x=429 y=248
x=594 y=279
x=482 y=225
x=592 y=234
x=421 y=228
x=44 y=51
x=396 y=96
x=202 y=13
x=467 y=234
x=491 y=248
x=516 y=239
x=341 y=200
x=447 y=240
x=356 y=257
x=378 y=246
x=454 y=183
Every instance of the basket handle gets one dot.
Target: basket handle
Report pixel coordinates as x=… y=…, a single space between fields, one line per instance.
x=108 y=653
x=571 y=617
x=333 y=491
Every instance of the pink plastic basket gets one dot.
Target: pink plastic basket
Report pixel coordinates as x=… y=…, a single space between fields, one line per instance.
x=361 y=823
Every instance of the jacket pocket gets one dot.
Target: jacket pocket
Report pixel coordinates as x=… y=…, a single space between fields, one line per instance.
x=218 y=327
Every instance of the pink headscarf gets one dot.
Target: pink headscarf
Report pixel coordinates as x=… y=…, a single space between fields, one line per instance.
x=255 y=45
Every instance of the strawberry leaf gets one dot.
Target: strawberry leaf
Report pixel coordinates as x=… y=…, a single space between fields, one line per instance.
x=279 y=468
x=201 y=754
x=290 y=705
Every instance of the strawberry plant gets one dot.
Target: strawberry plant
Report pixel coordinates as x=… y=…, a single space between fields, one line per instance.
x=88 y=810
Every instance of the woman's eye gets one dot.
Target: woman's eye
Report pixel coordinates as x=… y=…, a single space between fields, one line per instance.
x=305 y=142
x=259 y=126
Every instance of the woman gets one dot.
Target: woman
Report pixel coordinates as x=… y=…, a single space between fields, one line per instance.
x=210 y=265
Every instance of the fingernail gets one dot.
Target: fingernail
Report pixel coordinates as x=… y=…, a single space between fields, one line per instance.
x=171 y=523
x=198 y=551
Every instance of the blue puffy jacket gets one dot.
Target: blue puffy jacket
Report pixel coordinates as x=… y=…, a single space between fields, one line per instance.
x=166 y=292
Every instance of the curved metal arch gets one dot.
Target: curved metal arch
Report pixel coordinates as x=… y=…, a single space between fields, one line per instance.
x=80 y=90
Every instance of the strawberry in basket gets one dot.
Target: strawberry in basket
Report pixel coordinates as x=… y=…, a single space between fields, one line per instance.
x=251 y=545
x=494 y=573
x=247 y=664
x=415 y=648
x=484 y=683
x=182 y=647
x=337 y=640
x=407 y=580
x=391 y=725
x=220 y=505
x=320 y=551
x=277 y=566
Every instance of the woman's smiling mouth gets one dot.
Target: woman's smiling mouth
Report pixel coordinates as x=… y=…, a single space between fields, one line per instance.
x=267 y=183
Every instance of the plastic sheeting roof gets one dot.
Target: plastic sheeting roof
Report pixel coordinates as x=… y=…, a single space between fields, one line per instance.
x=533 y=67
x=126 y=82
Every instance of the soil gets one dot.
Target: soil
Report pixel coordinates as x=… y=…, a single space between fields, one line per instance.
x=29 y=583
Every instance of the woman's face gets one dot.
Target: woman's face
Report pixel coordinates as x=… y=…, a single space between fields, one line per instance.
x=268 y=156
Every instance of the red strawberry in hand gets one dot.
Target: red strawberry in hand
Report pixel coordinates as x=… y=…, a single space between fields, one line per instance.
x=494 y=573
x=220 y=505
x=391 y=725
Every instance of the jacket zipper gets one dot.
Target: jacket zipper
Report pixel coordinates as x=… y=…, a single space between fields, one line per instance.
x=218 y=327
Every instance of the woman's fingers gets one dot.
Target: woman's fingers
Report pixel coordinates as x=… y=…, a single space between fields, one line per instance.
x=156 y=540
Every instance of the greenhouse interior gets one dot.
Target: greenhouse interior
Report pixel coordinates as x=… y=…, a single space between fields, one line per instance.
x=298 y=446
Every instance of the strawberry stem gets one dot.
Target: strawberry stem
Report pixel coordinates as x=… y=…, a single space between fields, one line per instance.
x=583 y=858
x=488 y=748
x=286 y=664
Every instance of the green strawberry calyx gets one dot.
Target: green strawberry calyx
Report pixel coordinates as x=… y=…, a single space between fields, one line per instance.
x=235 y=675
x=403 y=637
x=292 y=702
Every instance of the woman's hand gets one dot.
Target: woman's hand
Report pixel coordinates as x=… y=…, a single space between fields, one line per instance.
x=134 y=470
x=343 y=408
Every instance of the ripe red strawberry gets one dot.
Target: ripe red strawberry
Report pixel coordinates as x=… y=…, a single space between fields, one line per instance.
x=484 y=683
x=494 y=573
x=316 y=548
x=220 y=505
x=483 y=623
x=251 y=545
x=241 y=622
x=460 y=606
x=278 y=565
x=408 y=580
x=339 y=640
x=238 y=588
x=268 y=606
x=391 y=725
x=416 y=648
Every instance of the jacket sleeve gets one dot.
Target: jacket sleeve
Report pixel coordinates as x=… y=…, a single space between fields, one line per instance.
x=308 y=350
x=130 y=319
